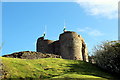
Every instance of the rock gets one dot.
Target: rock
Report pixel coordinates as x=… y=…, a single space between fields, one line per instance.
x=31 y=55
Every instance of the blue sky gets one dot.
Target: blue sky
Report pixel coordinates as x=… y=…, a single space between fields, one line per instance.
x=24 y=22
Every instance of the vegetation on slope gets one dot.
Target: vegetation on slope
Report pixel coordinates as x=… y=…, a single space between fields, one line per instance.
x=107 y=56
x=51 y=68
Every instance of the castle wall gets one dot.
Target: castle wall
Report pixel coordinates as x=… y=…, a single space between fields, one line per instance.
x=86 y=55
x=44 y=46
x=71 y=46
x=56 y=47
x=84 y=52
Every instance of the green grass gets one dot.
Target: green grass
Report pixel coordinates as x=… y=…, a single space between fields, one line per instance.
x=52 y=68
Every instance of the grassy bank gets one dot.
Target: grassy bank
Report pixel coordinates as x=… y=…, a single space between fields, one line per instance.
x=52 y=68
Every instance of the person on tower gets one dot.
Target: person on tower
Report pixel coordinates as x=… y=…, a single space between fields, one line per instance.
x=64 y=29
x=43 y=35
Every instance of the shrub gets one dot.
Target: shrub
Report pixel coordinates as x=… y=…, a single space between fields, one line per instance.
x=107 y=56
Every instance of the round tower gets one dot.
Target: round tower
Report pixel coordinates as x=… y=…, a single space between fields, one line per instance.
x=44 y=46
x=71 y=45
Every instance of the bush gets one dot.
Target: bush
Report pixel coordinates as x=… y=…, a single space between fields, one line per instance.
x=107 y=56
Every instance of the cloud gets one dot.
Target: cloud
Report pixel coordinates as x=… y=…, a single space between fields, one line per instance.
x=105 y=8
x=90 y=31
x=95 y=33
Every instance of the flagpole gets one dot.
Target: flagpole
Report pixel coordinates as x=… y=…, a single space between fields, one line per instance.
x=45 y=31
x=64 y=29
x=64 y=24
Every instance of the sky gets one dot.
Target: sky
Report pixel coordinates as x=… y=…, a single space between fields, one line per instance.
x=24 y=22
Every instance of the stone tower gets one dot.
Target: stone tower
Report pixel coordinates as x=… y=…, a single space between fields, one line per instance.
x=44 y=46
x=48 y=46
x=70 y=46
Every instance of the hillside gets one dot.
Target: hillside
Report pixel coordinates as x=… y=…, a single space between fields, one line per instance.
x=31 y=55
x=51 y=68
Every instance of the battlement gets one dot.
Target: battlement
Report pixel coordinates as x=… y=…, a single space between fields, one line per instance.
x=70 y=46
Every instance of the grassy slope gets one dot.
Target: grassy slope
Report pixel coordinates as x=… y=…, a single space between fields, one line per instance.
x=52 y=68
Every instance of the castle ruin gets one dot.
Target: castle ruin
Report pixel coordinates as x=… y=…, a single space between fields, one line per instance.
x=70 y=46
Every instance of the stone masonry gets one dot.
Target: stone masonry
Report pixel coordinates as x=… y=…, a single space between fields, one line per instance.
x=70 y=46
